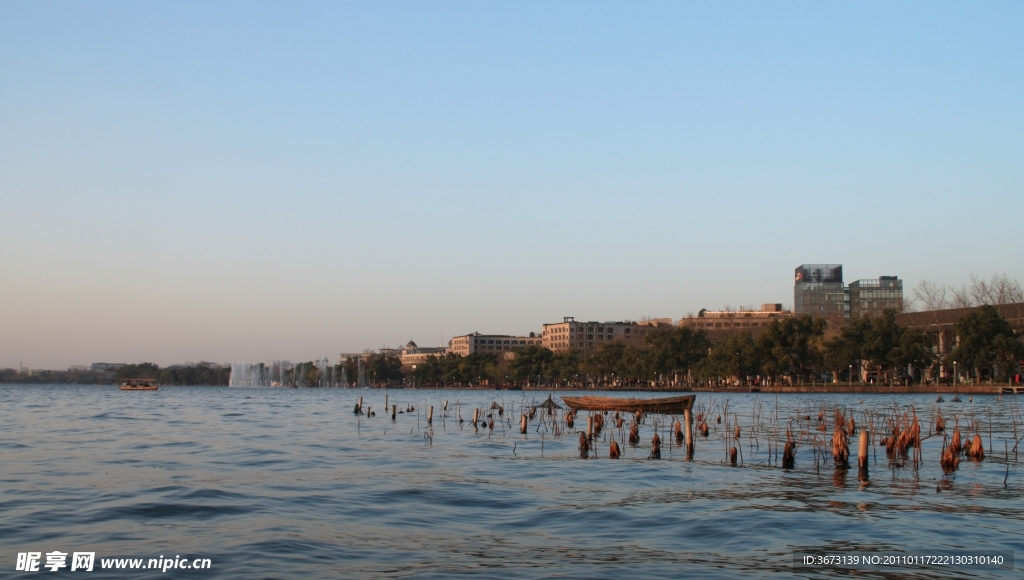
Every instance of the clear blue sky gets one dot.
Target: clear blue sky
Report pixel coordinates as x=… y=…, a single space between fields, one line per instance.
x=245 y=181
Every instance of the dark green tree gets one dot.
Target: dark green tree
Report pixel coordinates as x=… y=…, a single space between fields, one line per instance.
x=734 y=355
x=383 y=368
x=676 y=349
x=531 y=361
x=564 y=366
x=986 y=340
x=788 y=346
x=838 y=353
x=605 y=360
x=914 y=349
x=478 y=366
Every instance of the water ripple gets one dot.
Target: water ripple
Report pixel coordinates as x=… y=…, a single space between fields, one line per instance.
x=277 y=483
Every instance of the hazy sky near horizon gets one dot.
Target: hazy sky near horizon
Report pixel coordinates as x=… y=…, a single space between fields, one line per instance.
x=231 y=181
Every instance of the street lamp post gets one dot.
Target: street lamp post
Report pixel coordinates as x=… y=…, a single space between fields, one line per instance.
x=954 y=373
x=851 y=375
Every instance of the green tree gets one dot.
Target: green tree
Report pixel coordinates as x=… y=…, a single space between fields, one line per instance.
x=734 y=355
x=530 y=361
x=788 y=346
x=564 y=366
x=881 y=338
x=676 y=349
x=878 y=343
x=838 y=353
x=381 y=367
x=986 y=340
x=478 y=366
x=636 y=364
x=606 y=359
x=914 y=349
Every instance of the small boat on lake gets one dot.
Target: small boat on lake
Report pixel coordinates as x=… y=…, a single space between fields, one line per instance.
x=666 y=405
x=139 y=385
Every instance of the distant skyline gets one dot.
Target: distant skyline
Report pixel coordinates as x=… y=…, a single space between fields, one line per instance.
x=250 y=181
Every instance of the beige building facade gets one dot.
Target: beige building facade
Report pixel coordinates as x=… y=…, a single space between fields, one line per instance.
x=569 y=334
x=469 y=343
x=413 y=355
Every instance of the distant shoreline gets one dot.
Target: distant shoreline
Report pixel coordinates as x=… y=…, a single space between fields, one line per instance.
x=820 y=388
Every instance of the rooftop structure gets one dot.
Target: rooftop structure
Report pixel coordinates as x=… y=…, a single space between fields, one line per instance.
x=819 y=291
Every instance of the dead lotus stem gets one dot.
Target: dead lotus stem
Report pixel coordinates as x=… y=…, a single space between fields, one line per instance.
x=950 y=459
x=975 y=450
x=634 y=433
x=789 y=451
x=584 y=445
x=840 y=446
x=955 y=442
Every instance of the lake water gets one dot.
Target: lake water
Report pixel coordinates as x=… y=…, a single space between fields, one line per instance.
x=283 y=483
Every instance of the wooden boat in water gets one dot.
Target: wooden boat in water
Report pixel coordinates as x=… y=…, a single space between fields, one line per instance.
x=139 y=385
x=666 y=405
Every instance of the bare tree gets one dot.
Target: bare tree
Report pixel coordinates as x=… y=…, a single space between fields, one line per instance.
x=1000 y=289
x=931 y=295
x=1004 y=290
x=961 y=297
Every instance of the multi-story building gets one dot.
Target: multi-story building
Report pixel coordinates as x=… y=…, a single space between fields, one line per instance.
x=569 y=334
x=413 y=355
x=819 y=291
x=871 y=297
x=720 y=322
x=469 y=343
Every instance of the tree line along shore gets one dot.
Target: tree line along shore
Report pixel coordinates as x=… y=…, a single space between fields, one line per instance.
x=206 y=374
x=794 y=351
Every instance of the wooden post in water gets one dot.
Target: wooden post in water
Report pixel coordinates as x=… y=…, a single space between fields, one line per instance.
x=445 y=408
x=522 y=424
x=862 y=455
x=430 y=415
x=590 y=427
x=360 y=407
x=385 y=403
x=688 y=432
x=475 y=414
x=394 y=408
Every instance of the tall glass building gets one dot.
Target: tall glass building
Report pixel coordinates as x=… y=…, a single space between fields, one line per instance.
x=819 y=291
x=871 y=297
